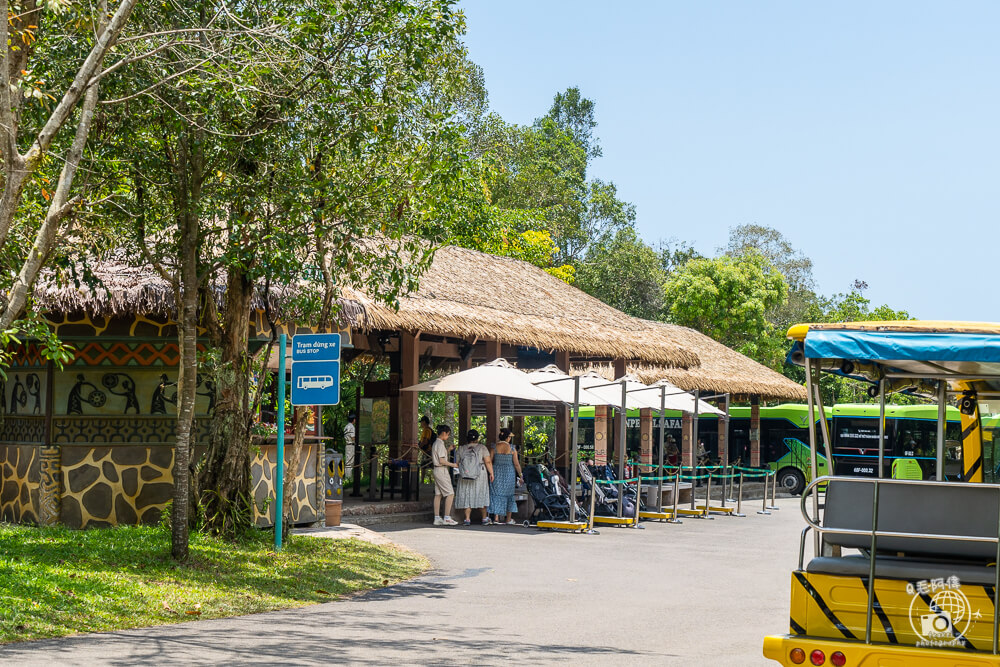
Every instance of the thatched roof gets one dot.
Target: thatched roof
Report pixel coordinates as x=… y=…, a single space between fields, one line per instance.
x=722 y=370
x=122 y=289
x=470 y=294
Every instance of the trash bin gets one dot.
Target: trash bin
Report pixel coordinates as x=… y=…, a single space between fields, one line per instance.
x=334 y=475
x=334 y=486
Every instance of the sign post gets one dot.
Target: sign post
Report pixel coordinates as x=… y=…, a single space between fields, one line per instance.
x=316 y=369
x=279 y=476
x=315 y=381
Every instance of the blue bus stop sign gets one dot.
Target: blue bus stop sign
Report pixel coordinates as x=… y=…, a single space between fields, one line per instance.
x=316 y=347
x=316 y=369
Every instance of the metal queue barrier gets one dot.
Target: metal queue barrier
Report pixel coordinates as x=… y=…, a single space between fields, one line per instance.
x=730 y=476
x=618 y=520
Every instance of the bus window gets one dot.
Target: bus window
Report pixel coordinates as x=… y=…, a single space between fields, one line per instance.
x=855 y=435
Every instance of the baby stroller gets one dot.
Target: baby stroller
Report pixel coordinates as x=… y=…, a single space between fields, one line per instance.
x=552 y=501
x=606 y=501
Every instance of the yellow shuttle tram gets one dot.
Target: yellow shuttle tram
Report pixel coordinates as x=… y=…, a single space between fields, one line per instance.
x=903 y=570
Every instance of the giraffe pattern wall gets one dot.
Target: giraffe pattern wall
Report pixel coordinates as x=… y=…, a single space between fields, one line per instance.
x=92 y=444
x=304 y=501
x=21 y=477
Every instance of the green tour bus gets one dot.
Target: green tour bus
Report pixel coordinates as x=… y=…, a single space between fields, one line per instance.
x=784 y=431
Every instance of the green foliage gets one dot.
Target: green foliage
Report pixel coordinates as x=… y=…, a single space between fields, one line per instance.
x=534 y=180
x=57 y=582
x=625 y=273
x=32 y=328
x=728 y=298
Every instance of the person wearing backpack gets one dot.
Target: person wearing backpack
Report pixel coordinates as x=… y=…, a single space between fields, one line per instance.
x=475 y=472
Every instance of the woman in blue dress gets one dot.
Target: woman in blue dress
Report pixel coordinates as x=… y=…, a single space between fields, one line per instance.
x=506 y=472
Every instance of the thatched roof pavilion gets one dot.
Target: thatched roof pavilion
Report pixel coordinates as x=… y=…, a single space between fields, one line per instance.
x=470 y=294
x=470 y=307
x=722 y=370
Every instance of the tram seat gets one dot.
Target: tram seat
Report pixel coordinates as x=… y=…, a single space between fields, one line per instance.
x=905 y=569
x=915 y=508
x=907 y=469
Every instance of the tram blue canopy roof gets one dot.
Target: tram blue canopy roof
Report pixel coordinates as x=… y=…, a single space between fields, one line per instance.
x=877 y=345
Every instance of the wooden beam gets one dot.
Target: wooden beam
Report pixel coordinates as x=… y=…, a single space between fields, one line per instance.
x=723 y=447
x=465 y=408
x=563 y=432
x=492 y=402
x=620 y=370
x=409 y=400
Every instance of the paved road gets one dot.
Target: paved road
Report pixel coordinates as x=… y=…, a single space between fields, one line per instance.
x=701 y=593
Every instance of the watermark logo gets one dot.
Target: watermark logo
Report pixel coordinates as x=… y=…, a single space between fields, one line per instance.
x=940 y=614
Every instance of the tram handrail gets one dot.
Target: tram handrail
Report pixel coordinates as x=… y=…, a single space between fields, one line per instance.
x=875 y=533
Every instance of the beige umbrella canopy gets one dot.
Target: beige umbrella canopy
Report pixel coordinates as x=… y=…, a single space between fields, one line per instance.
x=676 y=399
x=554 y=381
x=497 y=378
x=611 y=393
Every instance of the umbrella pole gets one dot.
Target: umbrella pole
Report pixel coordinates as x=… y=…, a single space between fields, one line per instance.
x=575 y=448
x=621 y=452
x=694 y=446
x=663 y=424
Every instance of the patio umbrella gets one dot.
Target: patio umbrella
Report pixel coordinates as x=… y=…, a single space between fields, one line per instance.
x=676 y=399
x=637 y=395
x=497 y=378
x=556 y=382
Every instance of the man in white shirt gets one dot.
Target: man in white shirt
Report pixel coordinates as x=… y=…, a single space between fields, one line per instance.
x=350 y=436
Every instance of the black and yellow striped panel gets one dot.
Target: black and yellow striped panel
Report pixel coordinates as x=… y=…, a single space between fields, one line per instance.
x=834 y=607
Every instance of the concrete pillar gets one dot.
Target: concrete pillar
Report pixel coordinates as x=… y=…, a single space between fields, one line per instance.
x=724 y=431
x=600 y=434
x=646 y=439
x=409 y=400
x=563 y=431
x=754 y=431
x=492 y=402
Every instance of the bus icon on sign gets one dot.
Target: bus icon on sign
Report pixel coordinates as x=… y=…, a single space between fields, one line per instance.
x=315 y=381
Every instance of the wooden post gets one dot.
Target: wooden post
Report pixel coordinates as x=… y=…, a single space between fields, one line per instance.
x=517 y=426
x=754 y=431
x=50 y=461
x=563 y=433
x=600 y=434
x=395 y=418
x=465 y=409
x=723 y=405
x=409 y=400
x=492 y=402
x=619 y=415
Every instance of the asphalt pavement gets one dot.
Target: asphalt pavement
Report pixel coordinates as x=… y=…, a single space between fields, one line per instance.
x=700 y=593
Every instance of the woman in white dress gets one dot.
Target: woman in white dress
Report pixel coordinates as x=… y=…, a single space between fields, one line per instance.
x=475 y=472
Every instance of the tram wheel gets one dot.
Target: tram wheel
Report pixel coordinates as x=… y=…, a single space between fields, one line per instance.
x=792 y=480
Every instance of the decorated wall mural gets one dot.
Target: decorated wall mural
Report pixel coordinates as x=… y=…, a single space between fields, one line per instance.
x=96 y=447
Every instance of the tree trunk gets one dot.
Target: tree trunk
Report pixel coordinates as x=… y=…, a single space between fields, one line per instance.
x=224 y=479
x=188 y=190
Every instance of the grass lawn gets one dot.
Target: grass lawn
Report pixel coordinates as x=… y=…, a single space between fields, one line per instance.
x=55 y=581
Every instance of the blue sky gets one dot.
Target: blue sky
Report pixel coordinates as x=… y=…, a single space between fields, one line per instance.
x=867 y=133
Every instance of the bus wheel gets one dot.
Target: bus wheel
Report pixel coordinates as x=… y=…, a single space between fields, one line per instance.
x=792 y=480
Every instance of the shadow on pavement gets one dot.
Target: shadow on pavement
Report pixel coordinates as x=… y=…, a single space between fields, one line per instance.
x=296 y=638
